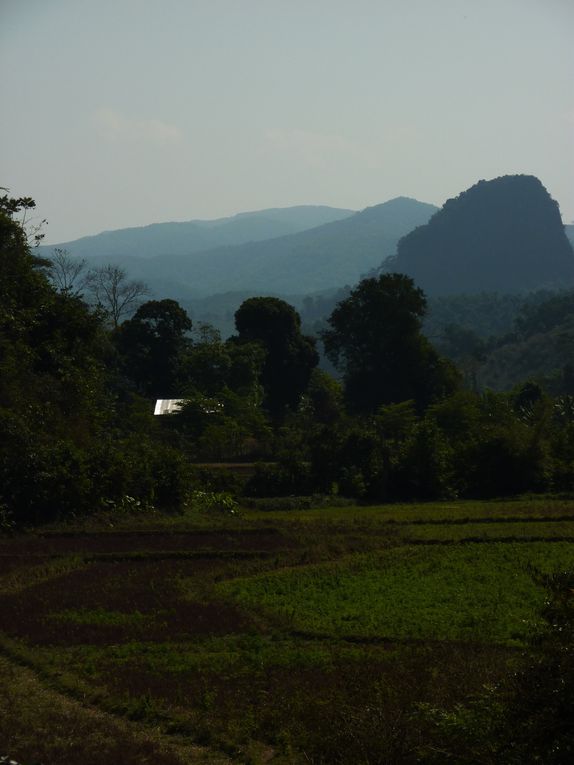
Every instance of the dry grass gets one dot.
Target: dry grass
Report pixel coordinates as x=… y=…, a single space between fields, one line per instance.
x=38 y=724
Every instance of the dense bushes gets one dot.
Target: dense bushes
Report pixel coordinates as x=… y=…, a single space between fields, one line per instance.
x=528 y=716
x=66 y=447
x=75 y=435
x=468 y=445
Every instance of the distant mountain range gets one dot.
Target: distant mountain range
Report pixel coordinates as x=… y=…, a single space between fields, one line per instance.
x=160 y=239
x=321 y=257
x=500 y=236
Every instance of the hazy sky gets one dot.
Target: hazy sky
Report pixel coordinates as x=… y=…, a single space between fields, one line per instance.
x=119 y=113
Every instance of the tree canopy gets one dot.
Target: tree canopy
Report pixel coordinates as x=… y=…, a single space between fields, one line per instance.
x=290 y=355
x=153 y=343
x=375 y=340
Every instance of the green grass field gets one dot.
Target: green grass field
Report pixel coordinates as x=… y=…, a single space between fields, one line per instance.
x=289 y=636
x=472 y=592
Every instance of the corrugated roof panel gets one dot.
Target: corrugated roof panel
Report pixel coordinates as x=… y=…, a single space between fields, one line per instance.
x=168 y=405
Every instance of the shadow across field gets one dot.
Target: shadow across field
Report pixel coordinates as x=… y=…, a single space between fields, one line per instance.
x=297 y=637
x=107 y=603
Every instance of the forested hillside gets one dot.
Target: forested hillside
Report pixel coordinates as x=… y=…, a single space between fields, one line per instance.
x=504 y=235
x=540 y=347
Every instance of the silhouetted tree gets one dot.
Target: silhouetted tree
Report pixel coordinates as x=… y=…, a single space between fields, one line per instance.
x=290 y=356
x=375 y=340
x=66 y=273
x=152 y=344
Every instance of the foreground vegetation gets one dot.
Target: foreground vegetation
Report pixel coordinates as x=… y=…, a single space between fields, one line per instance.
x=317 y=635
x=151 y=597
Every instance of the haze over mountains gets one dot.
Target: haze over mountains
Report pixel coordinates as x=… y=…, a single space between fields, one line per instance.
x=183 y=238
x=503 y=235
x=321 y=257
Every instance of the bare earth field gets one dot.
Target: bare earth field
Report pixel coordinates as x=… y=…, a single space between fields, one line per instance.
x=303 y=636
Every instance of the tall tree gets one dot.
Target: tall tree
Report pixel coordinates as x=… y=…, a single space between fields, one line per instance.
x=67 y=274
x=153 y=343
x=52 y=397
x=114 y=292
x=290 y=355
x=375 y=340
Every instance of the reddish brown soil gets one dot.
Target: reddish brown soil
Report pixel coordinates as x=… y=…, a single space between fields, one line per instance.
x=10 y=563
x=119 y=542
x=149 y=588
x=315 y=701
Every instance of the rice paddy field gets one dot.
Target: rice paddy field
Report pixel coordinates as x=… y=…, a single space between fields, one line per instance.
x=294 y=636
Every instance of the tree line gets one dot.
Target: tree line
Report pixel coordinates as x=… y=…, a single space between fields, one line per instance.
x=399 y=422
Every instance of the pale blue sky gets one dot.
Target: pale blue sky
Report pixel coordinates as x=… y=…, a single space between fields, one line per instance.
x=125 y=112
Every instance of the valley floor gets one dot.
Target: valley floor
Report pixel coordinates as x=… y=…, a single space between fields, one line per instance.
x=288 y=636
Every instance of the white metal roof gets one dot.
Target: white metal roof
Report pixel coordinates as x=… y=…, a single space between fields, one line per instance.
x=168 y=405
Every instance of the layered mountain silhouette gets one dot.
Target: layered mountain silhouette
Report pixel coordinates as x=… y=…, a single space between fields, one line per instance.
x=323 y=257
x=197 y=235
x=503 y=235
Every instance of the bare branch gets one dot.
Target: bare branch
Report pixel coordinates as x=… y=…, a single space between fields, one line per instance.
x=67 y=274
x=114 y=292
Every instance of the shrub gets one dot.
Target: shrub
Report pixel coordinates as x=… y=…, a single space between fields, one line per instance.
x=214 y=503
x=283 y=479
x=272 y=504
x=528 y=716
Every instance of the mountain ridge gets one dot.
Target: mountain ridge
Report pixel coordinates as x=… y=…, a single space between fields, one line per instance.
x=181 y=237
x=327 y=256
x=320 y=258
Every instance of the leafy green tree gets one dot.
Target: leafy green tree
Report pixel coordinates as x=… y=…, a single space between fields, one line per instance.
x=66 y=444
x=323 y=399
x=465 y=348
x=52 y=399
x=424 y=468
x=211 y=365
x=375 y=339
x=290 y=356
x=228 y=426
x=153 y=344
x=29 y=225
x=545 y=316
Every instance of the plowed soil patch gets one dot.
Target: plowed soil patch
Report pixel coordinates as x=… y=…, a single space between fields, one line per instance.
x=315 y=698
x=120 y=542
x=106 y=603
x=10 y=563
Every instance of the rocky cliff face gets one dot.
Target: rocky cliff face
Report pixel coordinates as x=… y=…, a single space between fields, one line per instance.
x=504 y=235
